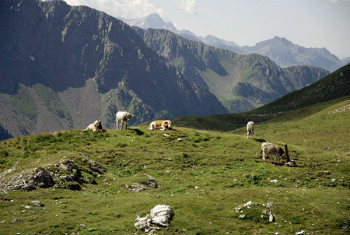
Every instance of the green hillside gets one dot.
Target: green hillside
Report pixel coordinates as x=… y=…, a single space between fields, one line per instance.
x=203 y=175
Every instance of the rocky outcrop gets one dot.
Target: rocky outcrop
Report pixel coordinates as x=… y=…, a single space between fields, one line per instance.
x=151 y=183
x=255 y=211
x=29 y=180
x=64 y=174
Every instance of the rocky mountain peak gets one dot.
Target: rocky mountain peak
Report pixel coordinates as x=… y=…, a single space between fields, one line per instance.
x=152 y=21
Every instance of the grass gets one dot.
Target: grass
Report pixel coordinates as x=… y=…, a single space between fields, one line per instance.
x=203 y=175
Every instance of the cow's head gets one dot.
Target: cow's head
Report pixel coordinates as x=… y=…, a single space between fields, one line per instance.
x=167 y=124
x=129 y=116
x=281 y=152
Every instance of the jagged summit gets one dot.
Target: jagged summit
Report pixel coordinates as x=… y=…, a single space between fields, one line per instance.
x=152 y=21
x=279 y=49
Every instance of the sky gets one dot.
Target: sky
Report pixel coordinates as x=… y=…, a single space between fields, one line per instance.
x=308 y=23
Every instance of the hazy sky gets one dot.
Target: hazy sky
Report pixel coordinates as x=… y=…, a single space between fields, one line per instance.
x=308 y=23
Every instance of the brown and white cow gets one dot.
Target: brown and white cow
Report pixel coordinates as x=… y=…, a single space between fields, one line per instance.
x=96 y=126
x=163 y=124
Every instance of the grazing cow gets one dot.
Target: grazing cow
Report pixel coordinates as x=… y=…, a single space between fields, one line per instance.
x=250 y=129
x=96 y=126
x=122 y=117
x=164 y=124
x=268 y=148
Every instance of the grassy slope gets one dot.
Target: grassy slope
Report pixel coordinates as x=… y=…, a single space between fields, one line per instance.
x=203 y=177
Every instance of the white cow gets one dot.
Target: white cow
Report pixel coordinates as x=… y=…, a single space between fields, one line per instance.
x=250 y=129
x=122 y=117
x=269 y=148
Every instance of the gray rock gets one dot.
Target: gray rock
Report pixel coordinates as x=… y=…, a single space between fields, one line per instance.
x=96 y=167
x=291 y=164
x=68 y=165
x=266 y=210
x=144 y=223
x=151 y=182
x=246 y=205
x=37 y=203
x=302 y=232
x=136 y=187
x=30 y=180
x=64 y=174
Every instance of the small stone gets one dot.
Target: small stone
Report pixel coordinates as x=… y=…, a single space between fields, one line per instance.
x=291 y=164
x=37 y=203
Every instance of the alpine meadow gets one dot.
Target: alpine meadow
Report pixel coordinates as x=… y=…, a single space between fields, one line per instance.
x=63 y=67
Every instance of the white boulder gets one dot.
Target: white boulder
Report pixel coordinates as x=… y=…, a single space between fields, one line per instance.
x=160 y=215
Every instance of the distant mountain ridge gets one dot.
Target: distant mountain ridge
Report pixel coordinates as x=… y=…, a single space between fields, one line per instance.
x=334 y=87
x=154 y=21
x=285 y=54
x=282 y=51
x=241 y=82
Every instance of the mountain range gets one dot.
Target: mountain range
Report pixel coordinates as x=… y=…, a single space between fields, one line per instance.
x=63 y=67
x=282 y=51
x=241 y=82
